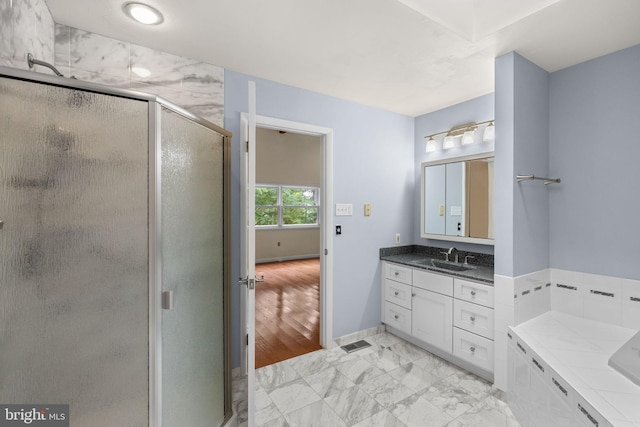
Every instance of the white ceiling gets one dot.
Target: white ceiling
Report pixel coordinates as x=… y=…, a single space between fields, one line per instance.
x=407 y=56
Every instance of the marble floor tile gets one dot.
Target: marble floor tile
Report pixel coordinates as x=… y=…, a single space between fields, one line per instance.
x=318 y=414
x=293 y=395
x=278 y=422
x=423 y=372
x=383 y=340
x=452 y=399
x=385 y=359
x=333 y=388
x=474 y=386
x=266 y=410
x=490 y=412
x=381 y=419
x=353 y=405
x=329 y=381
x=416 y=411
x=408 y=351
x=311 y=363
x=275 y=375
x=358 y=370
x=386 y=390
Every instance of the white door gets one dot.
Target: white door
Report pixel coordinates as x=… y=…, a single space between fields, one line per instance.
x=248 y=241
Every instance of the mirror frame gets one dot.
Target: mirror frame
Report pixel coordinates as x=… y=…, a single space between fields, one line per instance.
x=477 y=240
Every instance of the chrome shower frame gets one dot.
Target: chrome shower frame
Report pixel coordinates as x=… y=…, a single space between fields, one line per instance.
x=155 y=104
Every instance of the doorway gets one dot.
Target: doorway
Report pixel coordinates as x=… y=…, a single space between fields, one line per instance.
x=325 y=136
x=287 y=250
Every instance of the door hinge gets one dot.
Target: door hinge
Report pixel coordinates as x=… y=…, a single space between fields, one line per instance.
x=247 y=339
x=247 y=146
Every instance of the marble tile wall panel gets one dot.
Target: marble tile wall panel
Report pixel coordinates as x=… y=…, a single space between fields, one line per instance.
x=26 y=26
x=196 y=86
x=606 y=299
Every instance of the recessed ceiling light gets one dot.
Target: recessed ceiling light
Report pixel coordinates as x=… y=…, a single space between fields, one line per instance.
x=143 y=13
x=141 y=71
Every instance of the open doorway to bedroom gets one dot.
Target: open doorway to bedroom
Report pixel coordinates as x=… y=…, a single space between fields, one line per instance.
x=288 y=244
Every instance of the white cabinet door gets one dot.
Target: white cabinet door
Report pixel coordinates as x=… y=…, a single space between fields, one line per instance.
x=432 y=319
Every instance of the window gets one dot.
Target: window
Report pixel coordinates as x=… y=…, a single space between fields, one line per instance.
x=286 y=206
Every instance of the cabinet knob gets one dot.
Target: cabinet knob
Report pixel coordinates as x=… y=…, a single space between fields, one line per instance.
x=396 y=293
x=396 y=317
x=413 y=295
x=472 y=318
x=397 y=273
x=472 y=349
x=473 y=293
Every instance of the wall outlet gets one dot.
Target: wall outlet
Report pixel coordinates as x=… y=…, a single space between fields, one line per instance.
x=397 y=237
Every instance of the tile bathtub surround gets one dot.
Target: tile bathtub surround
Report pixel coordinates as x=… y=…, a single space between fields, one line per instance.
x=195 y=86
x=606 y=299
x=26 y=26
x=392 y=383
x=578 y=350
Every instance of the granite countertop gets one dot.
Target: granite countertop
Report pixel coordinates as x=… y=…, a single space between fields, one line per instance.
x=415 y=256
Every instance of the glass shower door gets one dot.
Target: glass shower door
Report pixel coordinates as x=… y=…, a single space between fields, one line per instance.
x=192 y=269
x=74 y=283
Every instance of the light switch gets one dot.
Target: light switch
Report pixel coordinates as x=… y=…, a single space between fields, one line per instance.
x=441 y=210
x=344 y=209
x=367 y=209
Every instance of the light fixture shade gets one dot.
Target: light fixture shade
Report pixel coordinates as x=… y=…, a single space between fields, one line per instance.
x=449 y=142
x=469 y=137
x=431 y=145
x=143 y=13
x=489 y=133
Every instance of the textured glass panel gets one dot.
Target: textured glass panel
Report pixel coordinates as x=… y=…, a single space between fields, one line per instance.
x=192 y=266
x=74 y=252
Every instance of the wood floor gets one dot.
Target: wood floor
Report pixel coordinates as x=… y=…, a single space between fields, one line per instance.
x=287 y=310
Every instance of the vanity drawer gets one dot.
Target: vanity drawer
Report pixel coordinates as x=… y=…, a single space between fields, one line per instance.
x=473 y=317
x=397 y=293
x=397 y=273
x=473 y=348
x=473 y=292
x=433 y=282
x=397 y=317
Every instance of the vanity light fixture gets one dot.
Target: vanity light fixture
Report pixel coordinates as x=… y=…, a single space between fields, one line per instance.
x=465 y=134
x=449 y=142
x=489 y=132
x=469 y=137
x=143 y=13
x=432 y=145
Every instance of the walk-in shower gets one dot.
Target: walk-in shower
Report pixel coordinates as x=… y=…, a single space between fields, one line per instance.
x=110 y=200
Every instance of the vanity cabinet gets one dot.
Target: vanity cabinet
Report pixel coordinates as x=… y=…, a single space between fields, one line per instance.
x=431 y=316
x=452 y=316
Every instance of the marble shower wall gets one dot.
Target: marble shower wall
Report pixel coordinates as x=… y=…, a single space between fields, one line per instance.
x=26 y=26
x=196 y=86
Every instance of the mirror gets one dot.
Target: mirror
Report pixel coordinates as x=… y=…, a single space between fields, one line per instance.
x=457 y=199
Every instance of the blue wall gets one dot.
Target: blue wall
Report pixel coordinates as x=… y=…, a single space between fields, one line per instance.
x=475 y=110
x=522 y=148
x=595 y=150
x=373 y=162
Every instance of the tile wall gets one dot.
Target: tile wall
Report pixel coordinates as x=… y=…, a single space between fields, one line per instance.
x=611 y=300
x=26 y=26
x=193 y=85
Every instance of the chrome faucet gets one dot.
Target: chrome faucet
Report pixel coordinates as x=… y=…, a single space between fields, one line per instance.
x=448 y=253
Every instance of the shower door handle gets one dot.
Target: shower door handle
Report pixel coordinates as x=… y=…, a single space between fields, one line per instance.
x=249 y=283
